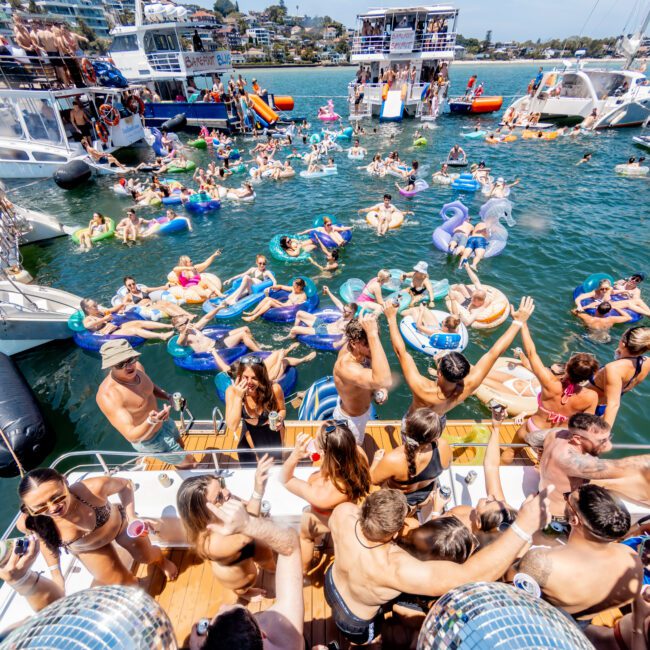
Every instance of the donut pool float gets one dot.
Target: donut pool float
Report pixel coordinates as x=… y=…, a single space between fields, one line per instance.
x=396 y=220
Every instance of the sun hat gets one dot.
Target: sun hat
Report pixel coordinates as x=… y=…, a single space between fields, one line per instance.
x=421 y=267
x=115 y=351
x=500 y=180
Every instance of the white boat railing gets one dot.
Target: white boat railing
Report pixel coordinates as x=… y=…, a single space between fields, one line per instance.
x=373 y=92
x=166 y=61
x=34 y=72
x=438 y=42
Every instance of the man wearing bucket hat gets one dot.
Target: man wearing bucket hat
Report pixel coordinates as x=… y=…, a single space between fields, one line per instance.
x=129 y=400
x=420 y=283
x=501 y=189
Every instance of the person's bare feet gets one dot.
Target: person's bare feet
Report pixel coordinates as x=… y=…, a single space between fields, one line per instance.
x=169 y=569
x=292 y=347
x=248 y=319
x=166 y=336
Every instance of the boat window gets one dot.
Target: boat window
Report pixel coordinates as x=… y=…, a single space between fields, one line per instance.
x=125 y=43
x=10 y=126
x=40 y=119
x=6 y=153
x=44 y=156
x=160 y=42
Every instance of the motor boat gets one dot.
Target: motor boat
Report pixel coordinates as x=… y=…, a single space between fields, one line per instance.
x=31 y=315
x=614 y=98
x=642 y=141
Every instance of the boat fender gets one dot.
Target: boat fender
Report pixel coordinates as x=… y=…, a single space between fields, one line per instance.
x=175 y=123
x=72 y=174
x=21 y=422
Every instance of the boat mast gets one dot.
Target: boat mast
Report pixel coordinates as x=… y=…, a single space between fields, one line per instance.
x=635 y=42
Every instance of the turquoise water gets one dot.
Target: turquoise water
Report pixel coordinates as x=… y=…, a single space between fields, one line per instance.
x=571 y=221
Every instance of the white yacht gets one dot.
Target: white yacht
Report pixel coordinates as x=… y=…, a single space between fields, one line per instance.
x=36 y=136
x=31 y=315
x=152 y=52
x=399 y=39
x=619 y=97
x=40 y=226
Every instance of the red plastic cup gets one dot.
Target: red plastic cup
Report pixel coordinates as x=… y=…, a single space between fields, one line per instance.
x=137 y=528
x=315 y=457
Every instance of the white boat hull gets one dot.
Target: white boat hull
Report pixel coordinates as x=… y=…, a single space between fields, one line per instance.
x=41 y=226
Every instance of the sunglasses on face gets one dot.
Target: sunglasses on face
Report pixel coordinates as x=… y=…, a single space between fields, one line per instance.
x=251 y=361
x=54 y=501
x=123 y=364
x=221 y=498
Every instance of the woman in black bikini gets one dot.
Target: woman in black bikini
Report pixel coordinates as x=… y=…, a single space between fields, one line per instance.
x=250 y=400
x=414 y=466
x=343 y=476
x=141 y=295
x=234 y=558
x=80 y=519
x=620 y=376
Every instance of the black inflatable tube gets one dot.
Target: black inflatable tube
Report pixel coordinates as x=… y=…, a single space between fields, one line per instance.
x=21 y=422
x=174 y=123
x=72 y=174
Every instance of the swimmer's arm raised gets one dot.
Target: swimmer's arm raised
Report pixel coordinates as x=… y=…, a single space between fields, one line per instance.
x=337 y=303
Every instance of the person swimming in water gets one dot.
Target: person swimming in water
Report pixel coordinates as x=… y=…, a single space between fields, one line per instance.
x=410 y=178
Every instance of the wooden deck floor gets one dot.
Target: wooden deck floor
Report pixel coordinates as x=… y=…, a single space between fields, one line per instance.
x=197 y=594
x=384 y=434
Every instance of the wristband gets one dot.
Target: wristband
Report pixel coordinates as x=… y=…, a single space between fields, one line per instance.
x=435 y=513
x=150 y=422
x=21 y=581
x=54 y=567
x=256 y=495
x=518 y=323
x=521 y=533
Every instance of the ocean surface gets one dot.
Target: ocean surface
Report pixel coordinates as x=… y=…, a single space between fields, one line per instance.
x=571 y=221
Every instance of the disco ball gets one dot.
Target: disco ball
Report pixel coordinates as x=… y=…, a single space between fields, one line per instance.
x=488 y=615
x=115 y=618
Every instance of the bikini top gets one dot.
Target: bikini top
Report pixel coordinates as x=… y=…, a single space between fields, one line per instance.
x=136 y=299
x=638 y=366
x=431 y=471
x=553 y=417
x=102 y=515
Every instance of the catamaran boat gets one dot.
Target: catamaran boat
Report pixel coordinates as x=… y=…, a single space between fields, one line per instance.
x=36 y=136
x=31 y=315
x=402 y=39
x=619 y=97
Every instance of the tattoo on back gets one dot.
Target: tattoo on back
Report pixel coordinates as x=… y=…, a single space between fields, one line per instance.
x=538 y=565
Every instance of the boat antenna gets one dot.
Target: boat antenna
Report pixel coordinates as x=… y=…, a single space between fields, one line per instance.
x=584 y=26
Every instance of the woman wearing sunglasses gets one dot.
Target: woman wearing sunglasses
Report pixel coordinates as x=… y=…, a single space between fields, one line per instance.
x=235 y=559
x=250 y=400
x=343 y=476
x=79 y=519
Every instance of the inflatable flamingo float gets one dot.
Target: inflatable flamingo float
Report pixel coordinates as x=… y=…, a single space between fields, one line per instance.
x=327 y=114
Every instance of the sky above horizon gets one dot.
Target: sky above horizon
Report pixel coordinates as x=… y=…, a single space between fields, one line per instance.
x=508 y=19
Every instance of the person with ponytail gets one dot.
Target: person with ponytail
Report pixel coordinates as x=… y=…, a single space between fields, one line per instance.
x=80 y=519
x=414 y=466
x=343 y=476
x=620 y=376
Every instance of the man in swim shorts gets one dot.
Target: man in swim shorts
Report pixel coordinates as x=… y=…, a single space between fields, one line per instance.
x=370 y=569
x=129 y=400
x=477 y=243
x=361 y=372
x=385 y=212
x=459 y=237
x=191 y=335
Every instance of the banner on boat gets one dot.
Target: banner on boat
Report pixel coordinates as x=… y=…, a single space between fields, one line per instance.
x=402 y=40
x=207 y=61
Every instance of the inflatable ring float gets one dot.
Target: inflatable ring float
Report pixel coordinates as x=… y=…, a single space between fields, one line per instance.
x=420 y=142
x=246 y=302
x=186 y=358
x=419 y=186
x=323 y=341
x=188 y=294
x=518 y=393
x=494 y=314
x=199 y=143
x=590 y=284
x=286 y=314
x=326 y=240
x=280 y=254
x=320 y=400
x=110 y=231
x=436 y=343
x=135 y=105
x=190 y=166
x=626 y=170
x=93 y=341
x=287 y=382
x=397 y=219
x=109 y=115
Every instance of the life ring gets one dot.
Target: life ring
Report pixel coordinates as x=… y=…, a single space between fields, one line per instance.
x=101 y=131
x=508 y=395
x=109 y=115
x=494 y=314
x=135 y=105
x=88 y=71
x=436 y=343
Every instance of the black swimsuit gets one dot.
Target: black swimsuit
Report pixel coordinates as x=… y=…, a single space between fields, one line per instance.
x=261 y=434
x=102 y=515
x=429 y=473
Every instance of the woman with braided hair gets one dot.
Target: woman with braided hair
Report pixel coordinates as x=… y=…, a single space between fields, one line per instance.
x=414 y=466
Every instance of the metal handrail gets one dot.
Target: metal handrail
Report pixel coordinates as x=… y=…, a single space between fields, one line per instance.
x=427 y=42
x=165 y=61
x=20 y=71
